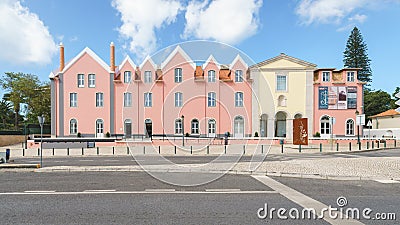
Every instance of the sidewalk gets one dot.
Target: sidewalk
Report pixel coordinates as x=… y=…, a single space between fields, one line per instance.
x=357 y=168
x=17 y=151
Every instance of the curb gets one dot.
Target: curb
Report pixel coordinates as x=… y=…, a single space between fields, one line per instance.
x=235 y=172
x=19 y=166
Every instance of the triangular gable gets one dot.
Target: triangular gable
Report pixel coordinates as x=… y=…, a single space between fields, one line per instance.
x=126 y=60
x=148 y=59
x=238 y=58
x=283 y=56
x=177 y=50
x=211 y=59
x=76 y=58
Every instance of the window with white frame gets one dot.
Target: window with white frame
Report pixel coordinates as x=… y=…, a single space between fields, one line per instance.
x=281 y=83
x=238 y=76
x=99 y=127
x=178 y=75
x=326 y=76
x=92 y=80
x=127 y=76
x=147 y=76
x=148 y=99
x=211 y=99
x=325 y=125
x=178 y=99
x=127 y=99
x=211 y=126
x=211 y=76
x=99 y=99
x=73 y=99
x=239 y=99
x=73 y=126
x=195 y=126
x=350 y=76
x=178 y=126
x=282 y=101
x=81 y=80
x=350 y=127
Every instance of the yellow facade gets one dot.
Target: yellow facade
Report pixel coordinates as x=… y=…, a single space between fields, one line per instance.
x=278 y=107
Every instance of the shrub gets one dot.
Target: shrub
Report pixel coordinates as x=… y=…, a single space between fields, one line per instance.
x=256 y=134
x=79 y=134
x=317 y=134
x=108 y=134
x=187 y=135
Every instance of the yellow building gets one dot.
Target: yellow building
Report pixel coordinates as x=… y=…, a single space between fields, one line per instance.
x=284 y=86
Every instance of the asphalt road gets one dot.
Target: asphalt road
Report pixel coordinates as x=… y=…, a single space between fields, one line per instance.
x=138 y=198
x=193 y=159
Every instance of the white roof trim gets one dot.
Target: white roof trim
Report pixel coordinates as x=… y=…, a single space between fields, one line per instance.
x=51 y=76
x=149 y=59
x=211 y=58
x=177 y=50
x=238 y=58
x=92 y=54
x=127 y=59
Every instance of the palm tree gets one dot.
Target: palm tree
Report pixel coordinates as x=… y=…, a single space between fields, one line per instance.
x=5 y=112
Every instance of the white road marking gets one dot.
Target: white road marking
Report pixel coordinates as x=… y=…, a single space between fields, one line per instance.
x=388 y=181
x=303 y=200
x=39 y=191
x=223 y=190
x=86 y=160
x=153 y=191
x=111 y=160
x=160 y=190
x=99 y=190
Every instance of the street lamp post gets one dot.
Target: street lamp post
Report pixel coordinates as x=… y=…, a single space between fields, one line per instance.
x=358 y=121
x=41 y=122
x=183 y=130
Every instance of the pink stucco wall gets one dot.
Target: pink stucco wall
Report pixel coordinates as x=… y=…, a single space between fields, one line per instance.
x=86 y=113
x=341 y=115
x=163 y=111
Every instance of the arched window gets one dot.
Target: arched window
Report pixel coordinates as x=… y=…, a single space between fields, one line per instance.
x=73 y=126
x=178 y=126
x=350 y=127
x=325 y=126
x=195 y=126
x=282 y=101
x=211 y=128
x=211 y=76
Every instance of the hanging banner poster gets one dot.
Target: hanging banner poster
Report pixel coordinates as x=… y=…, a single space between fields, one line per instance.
x=333 y=98
x=300 y=131
x=351 y=97
x=342 y=102
x=323 y=97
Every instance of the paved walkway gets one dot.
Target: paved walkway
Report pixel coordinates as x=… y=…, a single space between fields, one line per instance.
x=350 y=167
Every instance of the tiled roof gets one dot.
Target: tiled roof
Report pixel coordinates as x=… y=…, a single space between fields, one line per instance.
x=225 y=75
x=390 y=112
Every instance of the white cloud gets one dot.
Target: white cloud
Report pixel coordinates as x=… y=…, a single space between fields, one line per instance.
x=24 y=39
x=326 y=11
x=222 y=20
x=141 y=18
x=358 y=18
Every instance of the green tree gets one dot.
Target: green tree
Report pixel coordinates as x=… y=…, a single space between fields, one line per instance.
x=395 y=98
x=355 y=56
x=27 y=89
x=376 y=102
x=6 y=112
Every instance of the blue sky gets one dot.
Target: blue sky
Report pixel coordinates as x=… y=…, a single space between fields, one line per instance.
x=312 y=30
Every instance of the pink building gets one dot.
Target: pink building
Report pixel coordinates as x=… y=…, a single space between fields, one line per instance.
x=92 y=98
x=338 y=97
